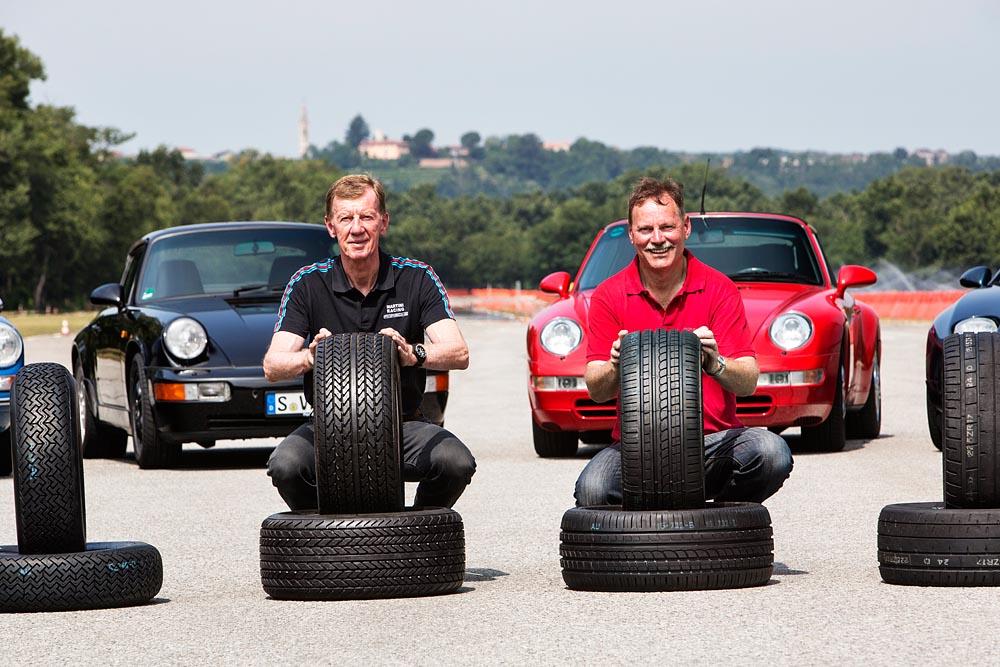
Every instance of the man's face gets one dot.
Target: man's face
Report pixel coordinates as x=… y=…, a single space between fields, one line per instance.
x=658 y=233
x=357 y=225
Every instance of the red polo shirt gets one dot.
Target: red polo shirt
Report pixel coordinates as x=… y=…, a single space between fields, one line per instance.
x=707 y=298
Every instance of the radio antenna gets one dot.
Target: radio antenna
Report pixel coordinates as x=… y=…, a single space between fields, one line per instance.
x=704 y=186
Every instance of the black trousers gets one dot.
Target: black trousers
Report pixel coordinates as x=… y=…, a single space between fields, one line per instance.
x=431 y=455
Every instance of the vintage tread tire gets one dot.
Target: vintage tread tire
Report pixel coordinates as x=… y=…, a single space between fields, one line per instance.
x=49 y=503
x=306 y=556
x=866 y=423
x=357 y=424
x=722 y=545
x=105 y=574
x=971 y=407
x=97 y=440
x=928 y=544
x=554 y=444
x=151 y=449
x=660 y=413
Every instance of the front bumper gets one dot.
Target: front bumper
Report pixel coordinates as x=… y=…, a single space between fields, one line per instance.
x=243 y=416
x=570 y=410
x=796 y=405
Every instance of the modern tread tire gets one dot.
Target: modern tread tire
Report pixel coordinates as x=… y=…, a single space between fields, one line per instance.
x=305 y=556
x=831 y=435
x=866 y=423
x=554 y=444
x=971 y=407
x=928 y=544
x=105 y=574
x=934 y=425
x=723 y=545
x=660 y=412
x=357 y=424
x=48 y=469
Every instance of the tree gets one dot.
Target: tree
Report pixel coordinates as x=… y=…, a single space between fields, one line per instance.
x=470 y=142
x=357 y=132
x=421 y=143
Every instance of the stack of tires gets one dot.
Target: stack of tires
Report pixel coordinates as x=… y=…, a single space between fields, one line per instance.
x=955 y=542
x=362 y=542
x=52 y=567
x=664 y=537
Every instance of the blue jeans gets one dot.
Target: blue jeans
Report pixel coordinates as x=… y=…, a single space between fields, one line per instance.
x=741 y=464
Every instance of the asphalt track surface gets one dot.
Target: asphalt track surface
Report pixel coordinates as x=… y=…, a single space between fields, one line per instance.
x=825 y=604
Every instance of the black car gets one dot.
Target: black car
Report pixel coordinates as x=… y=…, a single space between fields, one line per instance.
x=176 y=356
x=978 y=310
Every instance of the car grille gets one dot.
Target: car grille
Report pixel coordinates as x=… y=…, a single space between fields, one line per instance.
x=586 y=408
x=753 y=405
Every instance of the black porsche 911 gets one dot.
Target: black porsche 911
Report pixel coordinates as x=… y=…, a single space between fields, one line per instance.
x=176 y=355
x=978 y=310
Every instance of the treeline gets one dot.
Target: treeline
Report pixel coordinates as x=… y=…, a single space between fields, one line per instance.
x=502 y=166
x=69 y=209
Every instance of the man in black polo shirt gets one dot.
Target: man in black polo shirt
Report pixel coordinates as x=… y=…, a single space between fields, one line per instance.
x=367 y=290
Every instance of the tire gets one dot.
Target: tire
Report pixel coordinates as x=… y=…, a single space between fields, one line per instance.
x=831 y=435
x=970 y=409
x=6 y=456
x=97 y=440
x=304 y=556
x=105 y=574
x=928 y=544
x=357 y=424
x=934 y=424
x=660 y=412
x=48 y=469
x=151 y=450
x=723 y=545
x=554 y=444
x=866 y=423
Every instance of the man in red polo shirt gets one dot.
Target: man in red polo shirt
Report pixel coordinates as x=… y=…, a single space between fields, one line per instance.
x=667 y=287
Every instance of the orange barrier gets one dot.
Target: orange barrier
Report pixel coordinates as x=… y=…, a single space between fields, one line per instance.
x=916 y=306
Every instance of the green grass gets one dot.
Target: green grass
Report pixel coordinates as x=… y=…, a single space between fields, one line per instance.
x=31 y=324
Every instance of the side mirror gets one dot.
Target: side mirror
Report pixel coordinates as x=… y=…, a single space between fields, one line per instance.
x=556 y=283
x=108 y=294
x=977 y=276
x=852 y=275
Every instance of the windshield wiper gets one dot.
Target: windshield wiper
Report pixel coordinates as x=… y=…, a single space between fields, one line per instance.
x=250 y=288
x=757 y=274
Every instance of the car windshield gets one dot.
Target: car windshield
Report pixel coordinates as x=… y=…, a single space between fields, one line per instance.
x=233 y=262
x=745 y=249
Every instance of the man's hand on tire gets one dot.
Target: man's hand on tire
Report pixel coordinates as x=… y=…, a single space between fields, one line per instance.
x=311 y=351
x=406 y=354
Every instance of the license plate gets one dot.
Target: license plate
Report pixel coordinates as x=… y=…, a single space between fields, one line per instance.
x=278 y=403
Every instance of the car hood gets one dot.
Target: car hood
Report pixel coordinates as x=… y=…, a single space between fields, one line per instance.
x=764 y=302
x=240 y=330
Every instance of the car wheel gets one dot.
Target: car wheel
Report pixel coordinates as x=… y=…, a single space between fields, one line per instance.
x=48 y=469
x=97 y=440
x=554 y=444
x=151 y=451
x=357 y=424
x=934 y=422
x=971 y=407
x=928 y=544
x=866 y=423
x=723 y=545
x=6 y=465
x=831 y=435
x=305 y=556
x=105 y=574
x=663 y=450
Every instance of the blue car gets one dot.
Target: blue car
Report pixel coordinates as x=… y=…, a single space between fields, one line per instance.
x=11 y=360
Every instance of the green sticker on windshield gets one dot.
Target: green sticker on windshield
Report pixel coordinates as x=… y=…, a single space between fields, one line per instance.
x=615 y=232
x=148 y=294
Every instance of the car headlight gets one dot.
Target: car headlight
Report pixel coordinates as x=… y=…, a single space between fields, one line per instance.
x=561 y=336
x=185 y=338
x=975 y=325
x=11 y=345
x=791 y=331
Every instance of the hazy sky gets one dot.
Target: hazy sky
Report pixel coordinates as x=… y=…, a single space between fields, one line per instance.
x=695 y=75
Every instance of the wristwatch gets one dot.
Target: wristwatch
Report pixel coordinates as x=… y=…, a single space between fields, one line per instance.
x=722 y=367
x=420 y=353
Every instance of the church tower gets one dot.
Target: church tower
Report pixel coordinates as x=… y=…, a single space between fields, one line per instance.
x=303 y=133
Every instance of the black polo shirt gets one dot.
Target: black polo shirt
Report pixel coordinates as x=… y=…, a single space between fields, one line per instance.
x=408 y=297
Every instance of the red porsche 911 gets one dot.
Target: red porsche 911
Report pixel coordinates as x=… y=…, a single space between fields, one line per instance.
x=818 y=348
